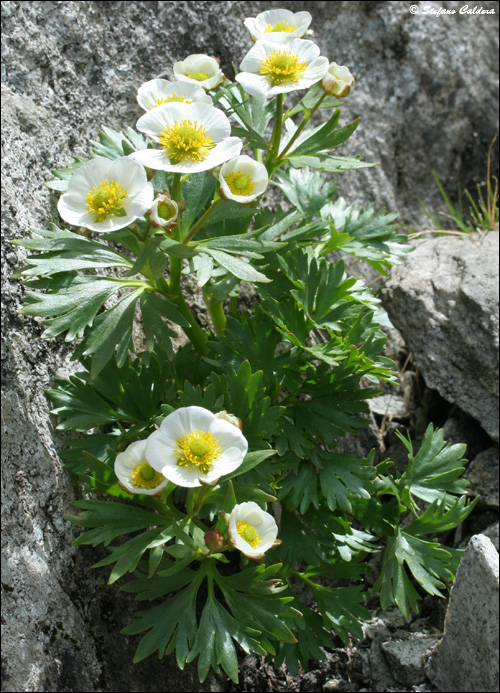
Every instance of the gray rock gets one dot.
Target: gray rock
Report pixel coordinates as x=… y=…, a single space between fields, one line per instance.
x=482 y=473
x=492 y=532
x=444 y=301
x=466 y=659
x=406 y=657
x=67 y=68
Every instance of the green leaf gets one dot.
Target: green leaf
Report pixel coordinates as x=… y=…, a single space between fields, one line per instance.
x=67 y=252
x=111 y=329
x=197 y=192
x=71 y=305
x=113 y=144
x=341 y=610
x=429 y=563
x=435 y=471
x=330 y=164
x=62 y=175
x=326 y=137
x=307 y=190
x=111 y=520
x=238 y=268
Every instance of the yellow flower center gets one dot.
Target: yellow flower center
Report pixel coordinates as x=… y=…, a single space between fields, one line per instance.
x=198 y=76
x=186 y=141
x=106 y=200
x=280 y=26
x=166 y=210
x=240 y=183
x=169 y=99
x=144 y=476
x=282 y=66
x=248 y=533
x=198 y=449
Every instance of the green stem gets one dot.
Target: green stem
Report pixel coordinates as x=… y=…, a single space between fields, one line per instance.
x=216 y=312
x=146 y=231
x=304 y=122
x=194 y=229
x=197 y=336
x=274 y=145
x=198 y=501
x=175 y=262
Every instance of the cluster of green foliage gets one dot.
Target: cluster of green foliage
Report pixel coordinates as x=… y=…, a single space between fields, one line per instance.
x=294 y=369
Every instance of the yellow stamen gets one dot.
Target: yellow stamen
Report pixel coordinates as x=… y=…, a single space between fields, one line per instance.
x=169 y=99
x=144 y=476
x=198 y=76
x=248 y=533
x=106 y=200
x=198 y=449
x=282 y=66
x=240 y=183
x=280 y=26
x=186 y=141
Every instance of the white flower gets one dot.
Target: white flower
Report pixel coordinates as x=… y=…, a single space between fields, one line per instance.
x=134 y=474
x=278 y=25
x=242 y=179
x=251 y=530
x=193 y=446
x=338 y=80
x=105 y=195
x=199 y=69
x=164 y=211
x=192 y=137
x=272 y=68
x=158 y=91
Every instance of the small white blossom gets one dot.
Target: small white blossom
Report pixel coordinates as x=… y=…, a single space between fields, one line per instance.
x=158 y=91
x=192 y=137
x=272 y=68
x=251 y=530
x=164 y=211
x=105 y=195
x=338 y=80
x=193 y=446
x=134 y=474
x=242 y=179
x=199 y=69
x=278 y=26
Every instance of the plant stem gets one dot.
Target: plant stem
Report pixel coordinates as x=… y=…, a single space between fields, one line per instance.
x=194 y=229
x=175 y=262
x=274 y=144
x=146 y=231
x=216 y=312
x=197 y=336
x=304 y=122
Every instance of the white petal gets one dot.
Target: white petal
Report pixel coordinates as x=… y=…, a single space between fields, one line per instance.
x=140 y=204
x=128 y=173
x=255 y=85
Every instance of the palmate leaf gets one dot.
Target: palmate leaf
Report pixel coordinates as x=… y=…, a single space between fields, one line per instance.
x=311 y=639
x=131 y=395
x=435 y=471
x=307 y=190
x=113 y=144
x=64 y=251
x=326 y=137
x=111 y=520
x=365 y=233
x=429 y=563
x=341 y=609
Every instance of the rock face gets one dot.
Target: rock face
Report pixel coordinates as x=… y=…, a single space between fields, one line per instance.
x=444 y=301
x=466 y=659
x=67 y=68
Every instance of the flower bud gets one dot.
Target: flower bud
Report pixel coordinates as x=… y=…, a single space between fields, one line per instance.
x=164 y=211
x=338 y=80
x=214 y=541
x=225 y=416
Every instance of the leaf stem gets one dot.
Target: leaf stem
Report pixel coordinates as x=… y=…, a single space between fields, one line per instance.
x=274 y=145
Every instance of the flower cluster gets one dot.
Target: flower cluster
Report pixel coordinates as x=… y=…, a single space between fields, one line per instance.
x=192 y=135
